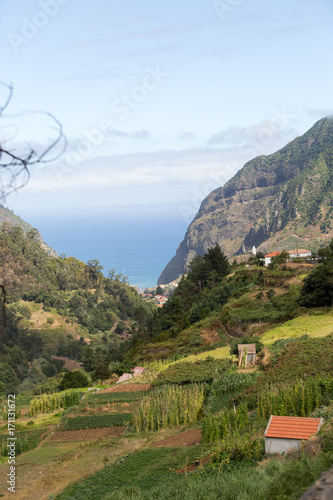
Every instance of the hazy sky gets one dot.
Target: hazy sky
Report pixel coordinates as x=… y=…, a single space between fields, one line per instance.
x=160 y=102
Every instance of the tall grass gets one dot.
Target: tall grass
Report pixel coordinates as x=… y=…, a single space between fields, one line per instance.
x=216 y=427
x=299 y=399
x=48 y=403
x=168 y=407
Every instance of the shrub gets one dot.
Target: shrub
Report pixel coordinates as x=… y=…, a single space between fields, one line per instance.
x=74 y=380
x=234 y=450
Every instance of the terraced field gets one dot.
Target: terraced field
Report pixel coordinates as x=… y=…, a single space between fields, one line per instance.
x=87 y=434
x=127 y=388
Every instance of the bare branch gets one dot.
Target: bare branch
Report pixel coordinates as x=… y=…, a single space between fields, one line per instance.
x=9 y=97
x=15 y=167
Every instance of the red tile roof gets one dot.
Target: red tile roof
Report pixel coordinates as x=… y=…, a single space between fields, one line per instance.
x=273 y=254
x=292 y=427
x=299 y=250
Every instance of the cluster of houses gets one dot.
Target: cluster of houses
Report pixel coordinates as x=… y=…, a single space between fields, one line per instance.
x=149 y=294
x=159 y=299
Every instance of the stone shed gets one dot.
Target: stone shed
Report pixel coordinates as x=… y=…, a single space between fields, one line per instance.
x=246 y=354
x=286 y=433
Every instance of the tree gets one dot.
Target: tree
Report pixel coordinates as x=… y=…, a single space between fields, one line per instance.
x=317 y=289
x=159 y=290
x=74 y=380
x=282 y=258
x=95 y=269
x=213 y=266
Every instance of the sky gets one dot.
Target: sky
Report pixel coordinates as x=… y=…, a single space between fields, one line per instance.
x=160 y=102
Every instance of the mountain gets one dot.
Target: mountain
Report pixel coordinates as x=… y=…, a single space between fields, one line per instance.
x=274 y=202
x=7 y=216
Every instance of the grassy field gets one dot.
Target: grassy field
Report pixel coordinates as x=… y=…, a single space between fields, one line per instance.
x=319 y=325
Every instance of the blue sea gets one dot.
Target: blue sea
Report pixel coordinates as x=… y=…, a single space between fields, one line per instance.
x=138 y=246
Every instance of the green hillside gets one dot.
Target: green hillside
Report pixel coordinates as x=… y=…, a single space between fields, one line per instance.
x=193 y=421
x=60 y=306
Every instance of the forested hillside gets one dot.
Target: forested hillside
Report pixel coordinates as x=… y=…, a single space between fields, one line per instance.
x=59 y=306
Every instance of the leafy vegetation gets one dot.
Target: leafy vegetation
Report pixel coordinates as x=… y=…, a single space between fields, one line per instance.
x=139 y=471
x=73 y=380
x=317 y=289
x=190 y=373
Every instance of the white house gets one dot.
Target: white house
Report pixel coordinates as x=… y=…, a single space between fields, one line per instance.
x=286 y=433
x=269 y=256
x=299 y=252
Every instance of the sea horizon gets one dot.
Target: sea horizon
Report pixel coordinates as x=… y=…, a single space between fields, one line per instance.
x=138 y=246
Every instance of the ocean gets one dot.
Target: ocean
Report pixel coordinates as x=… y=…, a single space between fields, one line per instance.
x=138 y=246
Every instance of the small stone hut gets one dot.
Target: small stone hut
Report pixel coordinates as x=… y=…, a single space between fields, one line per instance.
x=249 y=352
x=286 y=433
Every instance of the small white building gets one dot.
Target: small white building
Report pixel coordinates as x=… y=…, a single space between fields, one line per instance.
x=286 y=433
x=299 y=252
x=246 y=354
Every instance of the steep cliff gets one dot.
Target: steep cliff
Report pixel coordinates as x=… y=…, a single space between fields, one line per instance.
x=273 y=201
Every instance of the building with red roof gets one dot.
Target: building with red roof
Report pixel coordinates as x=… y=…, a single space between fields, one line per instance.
x=286 y=433
x=269 y=256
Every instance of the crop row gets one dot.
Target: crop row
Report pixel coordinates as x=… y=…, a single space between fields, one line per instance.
x=168 y=407
x=299 y=399
x=229 y=421
x=51 y=402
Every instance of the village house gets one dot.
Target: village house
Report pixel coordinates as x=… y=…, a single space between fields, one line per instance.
x=299 y=252
x=269 y=256
x=286 y=433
